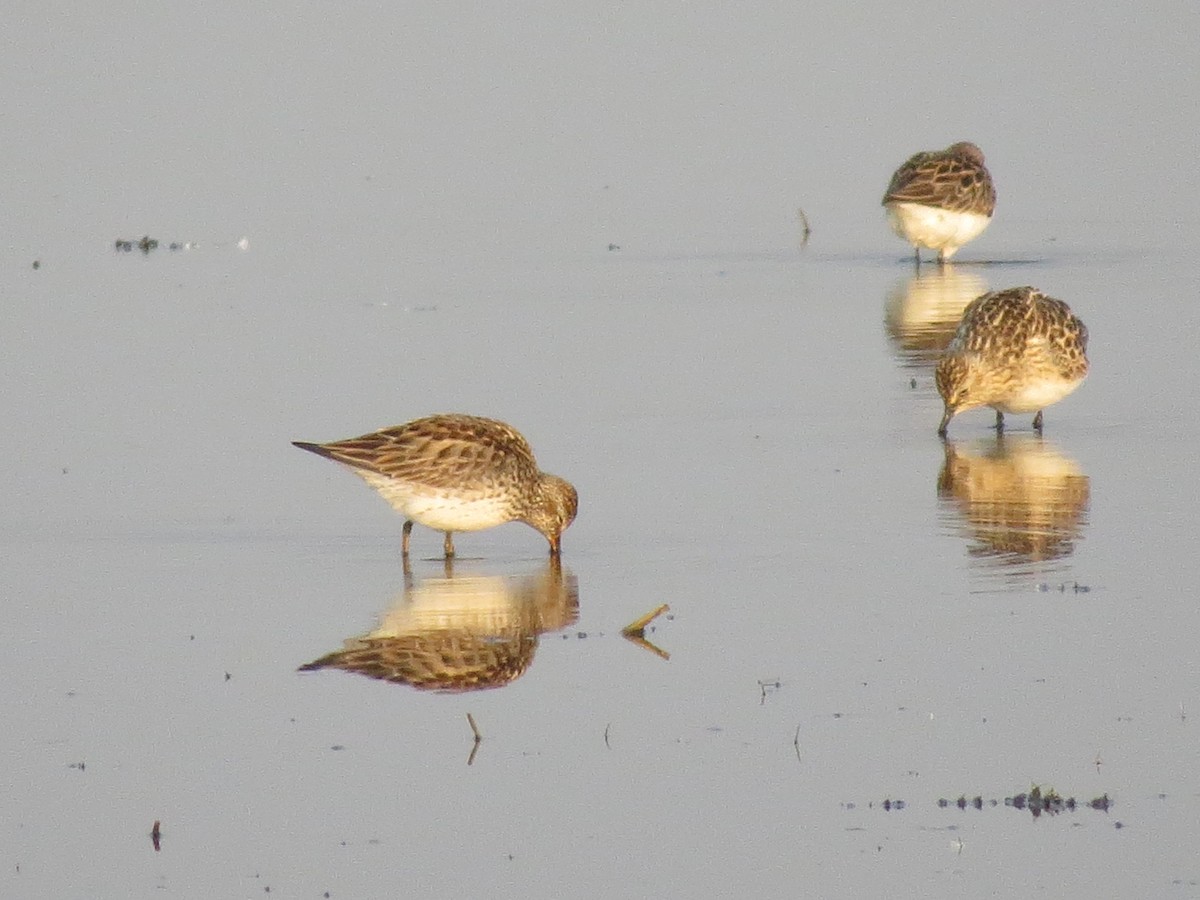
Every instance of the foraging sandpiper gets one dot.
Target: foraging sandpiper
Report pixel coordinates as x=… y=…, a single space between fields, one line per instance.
x=458 y=473
x=1015 y=350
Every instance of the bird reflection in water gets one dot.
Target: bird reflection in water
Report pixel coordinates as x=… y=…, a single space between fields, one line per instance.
x=461 y=632
x=1018 y=498
x=922 y=312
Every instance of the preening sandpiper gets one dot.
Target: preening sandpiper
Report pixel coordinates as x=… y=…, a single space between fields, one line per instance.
x=941 y=199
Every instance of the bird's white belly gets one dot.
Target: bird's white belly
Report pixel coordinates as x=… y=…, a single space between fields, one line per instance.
x=1037 y=395
x=933 y=228
x=455 y=514
x=441 y=510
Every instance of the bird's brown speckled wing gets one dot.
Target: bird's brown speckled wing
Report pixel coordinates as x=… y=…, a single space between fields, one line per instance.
x=946 y=179
x=445 y=451
x=1009 y=324
x=1067 y=336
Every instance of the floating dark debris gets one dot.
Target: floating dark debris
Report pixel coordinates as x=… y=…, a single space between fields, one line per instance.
x=1037 y=801
x=1073 y=588
x=156 y=836
x=146 y=243
x=964 y=802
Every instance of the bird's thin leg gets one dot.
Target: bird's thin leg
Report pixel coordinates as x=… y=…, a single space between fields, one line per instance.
x=555 y=546
x=999 y=421
x=945 y=423
x=448 y=545
x=1037 y=422
x=407 y=532
x=917 y=256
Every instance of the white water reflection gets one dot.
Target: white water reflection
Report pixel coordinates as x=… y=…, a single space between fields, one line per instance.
x=1020 y=503
x=921 y=311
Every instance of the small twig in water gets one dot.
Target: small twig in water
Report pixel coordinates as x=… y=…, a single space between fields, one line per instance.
x=771 y=683
x=606 y=743
x=805 y=229
x=637 y=628
x=478 y=738
x=635 y=631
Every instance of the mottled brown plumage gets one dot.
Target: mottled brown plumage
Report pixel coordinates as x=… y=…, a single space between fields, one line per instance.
x=941 y=199
x=1015 y=350
x=456 y=472
x=445 y=660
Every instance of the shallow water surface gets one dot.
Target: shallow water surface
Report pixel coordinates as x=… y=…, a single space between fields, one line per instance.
x=588 y=228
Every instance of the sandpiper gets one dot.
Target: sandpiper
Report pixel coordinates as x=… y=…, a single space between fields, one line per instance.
x=458 y=473
x=941 y=199
x=1015 y=350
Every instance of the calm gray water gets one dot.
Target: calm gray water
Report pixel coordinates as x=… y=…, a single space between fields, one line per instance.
x=859 y=614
